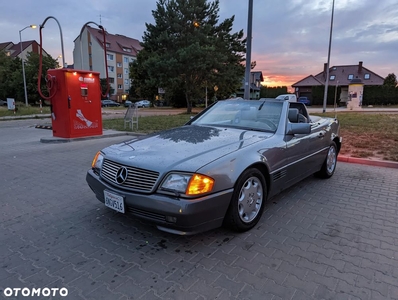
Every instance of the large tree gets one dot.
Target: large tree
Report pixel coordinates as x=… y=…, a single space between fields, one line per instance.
x=188 y=48
x=11 y=77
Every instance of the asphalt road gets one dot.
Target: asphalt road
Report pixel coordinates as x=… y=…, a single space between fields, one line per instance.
x=321 y=239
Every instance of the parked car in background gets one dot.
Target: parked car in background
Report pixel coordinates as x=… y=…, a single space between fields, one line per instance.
x=288 y=97
x=109 y=103
x=143 y=103
x=3 y=103
x=128 y=103
x=221 y=166
x=304 y=100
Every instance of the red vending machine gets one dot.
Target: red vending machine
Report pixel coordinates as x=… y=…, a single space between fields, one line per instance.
x=76 y=104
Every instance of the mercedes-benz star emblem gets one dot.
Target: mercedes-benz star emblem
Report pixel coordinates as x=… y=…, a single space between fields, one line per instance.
x=121 y=175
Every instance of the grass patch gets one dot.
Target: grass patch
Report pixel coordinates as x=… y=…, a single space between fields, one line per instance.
x=150 y=124
x=22 y=110
x=369 y=135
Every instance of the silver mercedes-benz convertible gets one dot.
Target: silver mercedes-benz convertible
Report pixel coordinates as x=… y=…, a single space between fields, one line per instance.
x=218 y=169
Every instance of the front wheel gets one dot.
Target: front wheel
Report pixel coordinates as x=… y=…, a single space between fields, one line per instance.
x=329 y=165
x=247 y=202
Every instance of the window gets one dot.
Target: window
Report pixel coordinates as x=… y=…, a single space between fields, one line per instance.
x=367 y=76
x=111 y=68
x=126 y=59
x=119 y=75
x=126 y=49
x=108 y=45
x=119 y=64
x=111 y=80
x=126 y=70
x=126 y=81
x=332 y=77
x=119 y=86
x=109 y=56
x=350 y=77
x=132 y=59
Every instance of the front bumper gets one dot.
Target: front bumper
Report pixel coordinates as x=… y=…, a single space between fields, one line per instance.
x=191 y=216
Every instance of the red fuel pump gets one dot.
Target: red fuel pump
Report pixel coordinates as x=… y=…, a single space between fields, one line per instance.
x=75 y=97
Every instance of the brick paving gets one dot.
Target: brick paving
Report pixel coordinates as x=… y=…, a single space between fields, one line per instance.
x=321 y=239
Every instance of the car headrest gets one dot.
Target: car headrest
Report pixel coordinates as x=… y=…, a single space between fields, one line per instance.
x=293 y=115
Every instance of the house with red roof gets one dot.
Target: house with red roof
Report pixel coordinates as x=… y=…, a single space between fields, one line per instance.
x=14 y=50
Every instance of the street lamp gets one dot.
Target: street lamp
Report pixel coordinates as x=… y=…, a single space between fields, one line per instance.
x=248 y=51
x=325 y=96
x=23 y=65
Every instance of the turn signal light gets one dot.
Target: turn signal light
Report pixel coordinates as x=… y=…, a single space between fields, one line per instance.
x=200 y=184
x=95 y=159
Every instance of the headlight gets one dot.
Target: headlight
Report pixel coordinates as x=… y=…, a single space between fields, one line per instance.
x=97 y=161
x=188 y=184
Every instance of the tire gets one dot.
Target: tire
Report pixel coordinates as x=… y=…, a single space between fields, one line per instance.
x=329 y=165
x=247 y=202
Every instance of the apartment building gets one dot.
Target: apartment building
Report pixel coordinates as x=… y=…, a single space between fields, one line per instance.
x=88 y=54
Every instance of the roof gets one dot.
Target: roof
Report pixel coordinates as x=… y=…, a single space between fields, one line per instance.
x=117 y=43
x=342 y=75
x=6 y=45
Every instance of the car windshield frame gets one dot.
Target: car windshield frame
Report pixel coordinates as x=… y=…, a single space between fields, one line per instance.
x=257 y=115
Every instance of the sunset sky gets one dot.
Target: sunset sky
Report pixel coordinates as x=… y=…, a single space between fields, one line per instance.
x=290 y=37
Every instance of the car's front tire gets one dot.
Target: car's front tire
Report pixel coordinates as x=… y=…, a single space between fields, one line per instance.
x=329 y=165
x=247 y=202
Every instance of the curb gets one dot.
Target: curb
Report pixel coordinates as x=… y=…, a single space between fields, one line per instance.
x=106 y=134
x=369 y=162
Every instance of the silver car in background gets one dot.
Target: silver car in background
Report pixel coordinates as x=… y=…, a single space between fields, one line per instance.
x=219 y=168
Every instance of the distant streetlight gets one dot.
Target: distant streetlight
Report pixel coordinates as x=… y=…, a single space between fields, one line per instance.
x=248 y=50
x=325 y=96
x=23 y=64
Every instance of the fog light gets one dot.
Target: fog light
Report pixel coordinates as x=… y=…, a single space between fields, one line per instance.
x=171 y=219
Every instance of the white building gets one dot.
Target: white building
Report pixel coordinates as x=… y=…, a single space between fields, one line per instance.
x=88 y=54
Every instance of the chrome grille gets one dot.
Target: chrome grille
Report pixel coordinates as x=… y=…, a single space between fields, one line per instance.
x=137 y=179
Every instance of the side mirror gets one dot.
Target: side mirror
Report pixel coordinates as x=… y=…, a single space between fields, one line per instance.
x=298 y=128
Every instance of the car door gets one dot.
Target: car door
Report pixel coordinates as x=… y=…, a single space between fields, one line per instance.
x=318 y=146
x=297 y=151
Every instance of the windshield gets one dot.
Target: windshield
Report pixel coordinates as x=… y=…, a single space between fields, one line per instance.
x=245 y=114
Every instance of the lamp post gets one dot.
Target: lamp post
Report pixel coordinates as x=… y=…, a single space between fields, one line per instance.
x=23 y=64
x=248 y=50
x=325 y=96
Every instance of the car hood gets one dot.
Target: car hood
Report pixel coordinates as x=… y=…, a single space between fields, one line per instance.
x=186 y=148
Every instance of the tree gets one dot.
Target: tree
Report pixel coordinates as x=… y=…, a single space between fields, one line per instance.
x=189 y=48
x=390 y=80
x=32 y=74
x=104 y=88
x=11 y=77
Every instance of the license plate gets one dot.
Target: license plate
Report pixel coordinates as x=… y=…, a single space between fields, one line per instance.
x=114 y=201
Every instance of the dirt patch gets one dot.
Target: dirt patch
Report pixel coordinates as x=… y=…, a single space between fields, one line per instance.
x=371 y=146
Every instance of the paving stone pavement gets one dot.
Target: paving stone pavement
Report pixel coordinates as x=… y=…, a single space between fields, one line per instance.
x=321 y=239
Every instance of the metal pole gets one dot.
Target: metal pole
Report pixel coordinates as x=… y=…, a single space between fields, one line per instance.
x=206 y=94
x=325 y=96
x=248 y=50
x=62 y=39
x=23 y=67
